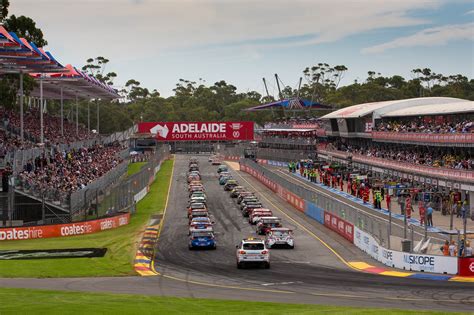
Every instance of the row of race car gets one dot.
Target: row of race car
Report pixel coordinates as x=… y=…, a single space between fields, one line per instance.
x=201 y=232
x=255 y=250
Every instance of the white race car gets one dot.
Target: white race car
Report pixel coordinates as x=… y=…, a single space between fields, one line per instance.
x=280 y=237
x=252 y=251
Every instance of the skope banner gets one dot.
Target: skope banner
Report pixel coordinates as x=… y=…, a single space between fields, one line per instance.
x=63 y=230
x=199 y=131
x=402 y=260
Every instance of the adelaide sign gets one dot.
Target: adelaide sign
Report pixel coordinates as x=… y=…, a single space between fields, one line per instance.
x=199 y=131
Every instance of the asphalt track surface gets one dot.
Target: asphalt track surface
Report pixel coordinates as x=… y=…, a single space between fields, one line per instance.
x=314 y=272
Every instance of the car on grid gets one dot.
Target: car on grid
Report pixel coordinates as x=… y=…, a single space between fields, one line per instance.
x=247 y=200
x=237 y=189
x=244 y=194
x=221 y=174
x=230 y=184
x=277 y=237
x=199 y=194
x=249 y=207
x=252 y=251
x=200 y=228
x=194 y=189
x=200 y=221
x=223 y=180
x=202 y=239
x=258 y=213
x=196 y=206
x=222 y=168
x=266 y=223
x=216 y=161
x=198 y=213
x=197 y=200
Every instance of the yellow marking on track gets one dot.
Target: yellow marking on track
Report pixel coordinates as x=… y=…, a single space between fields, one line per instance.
x=360 y=265
x=396 y=273
x=462 y=279
x=368 y=297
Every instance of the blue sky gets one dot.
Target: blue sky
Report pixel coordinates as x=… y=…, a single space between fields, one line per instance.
x=157 y=42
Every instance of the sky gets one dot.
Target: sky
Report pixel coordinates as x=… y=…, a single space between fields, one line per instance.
x=241 y=41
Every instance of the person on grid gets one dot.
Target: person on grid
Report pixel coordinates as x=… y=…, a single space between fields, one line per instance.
x=388 y=199
x=408 y=206
x=453 y=249
x=365 y=193
x=349 y=185
x=378 y=199
x=421 y=208
x=429 y=216
x=341 y=183
x=445 y=248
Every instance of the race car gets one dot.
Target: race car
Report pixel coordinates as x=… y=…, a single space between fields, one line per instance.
x=237 y=189
x=198 y=213
x=266 y=223
x=200 y=228
x=257 y=213
x=221 y=174
x=247 y=200
x=216 y=161
x=196 y=206
x=221 y=168
x=201 y=221
x=193 y=177
x=195 y=182
x=249 y=207
x=230 y=184
x=193 y=160
x=191 y=186
x=252 y=251
x=197 y=200
x=280 y=237
x=244 y=194
x=202 y=239
x=193 y=168
x=211 y=158
x=194 y=189
x=224 y=179
x=198 y=194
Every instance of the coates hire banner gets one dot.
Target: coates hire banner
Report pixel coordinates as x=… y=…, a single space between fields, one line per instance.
x=63 y=230
x=198 y=131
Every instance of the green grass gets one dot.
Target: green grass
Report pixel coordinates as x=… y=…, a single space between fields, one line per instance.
x=134 y=168
x=44 y=301
x=121 y=243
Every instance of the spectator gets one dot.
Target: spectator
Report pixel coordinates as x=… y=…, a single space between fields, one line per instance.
x=429 y=215
x=453 y=249
x=445 y=248
x=468 y=249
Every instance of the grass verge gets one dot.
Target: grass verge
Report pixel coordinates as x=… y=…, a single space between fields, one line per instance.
x=134 y=168
x=120 y=242
x=39 y=302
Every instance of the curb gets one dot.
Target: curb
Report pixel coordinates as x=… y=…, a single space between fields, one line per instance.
x=144 y=255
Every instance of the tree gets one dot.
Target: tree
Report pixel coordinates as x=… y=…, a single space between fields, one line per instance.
x=4 y=4
x=25 y=27
x=96 y=68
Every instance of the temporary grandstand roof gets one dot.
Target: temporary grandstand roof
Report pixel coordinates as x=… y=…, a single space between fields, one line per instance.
x=380 y=108
x=433 y=109
x=74 y=83
x=18 y=55
x=292 y=104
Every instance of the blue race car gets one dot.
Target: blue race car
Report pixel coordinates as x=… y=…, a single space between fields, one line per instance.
x=202 y=239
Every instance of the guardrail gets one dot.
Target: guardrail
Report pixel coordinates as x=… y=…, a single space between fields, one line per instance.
x=461 y=138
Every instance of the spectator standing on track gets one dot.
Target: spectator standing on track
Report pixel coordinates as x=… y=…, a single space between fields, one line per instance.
x=453 y=249
x=445 y=248
x=429 y=215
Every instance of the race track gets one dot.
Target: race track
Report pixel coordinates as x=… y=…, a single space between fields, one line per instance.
x=314 y=272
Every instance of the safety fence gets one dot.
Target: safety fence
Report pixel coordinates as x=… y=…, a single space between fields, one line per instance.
x=352 y=223
x=467 y=139
x=120 y=194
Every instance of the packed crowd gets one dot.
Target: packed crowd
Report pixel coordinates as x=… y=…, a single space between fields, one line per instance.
x=64 y=172
x=9 y=143
x=293 y=122
x=410 y=155
x=420 y=125
x=51 y=126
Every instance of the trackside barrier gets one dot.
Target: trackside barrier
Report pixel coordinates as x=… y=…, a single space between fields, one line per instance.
x=358 y=228
x=405 y=261
x=466 y=266
x=63 y=230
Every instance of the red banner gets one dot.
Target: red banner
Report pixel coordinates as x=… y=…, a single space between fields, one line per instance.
x=340 y=226
x=63 y=230
x=199 y=131
x=466 y=266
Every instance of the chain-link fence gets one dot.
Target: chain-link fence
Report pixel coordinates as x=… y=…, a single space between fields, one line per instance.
x=389 y=234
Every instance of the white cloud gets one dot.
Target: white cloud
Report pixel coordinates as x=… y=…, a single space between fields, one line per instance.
x=434 y=36
x=469 y=12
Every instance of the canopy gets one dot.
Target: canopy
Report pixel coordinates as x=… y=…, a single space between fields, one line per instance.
x=294 y=103
x=74 y=83
x=18 y=55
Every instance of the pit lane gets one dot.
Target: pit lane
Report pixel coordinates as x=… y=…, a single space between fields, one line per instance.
x=310 y=272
